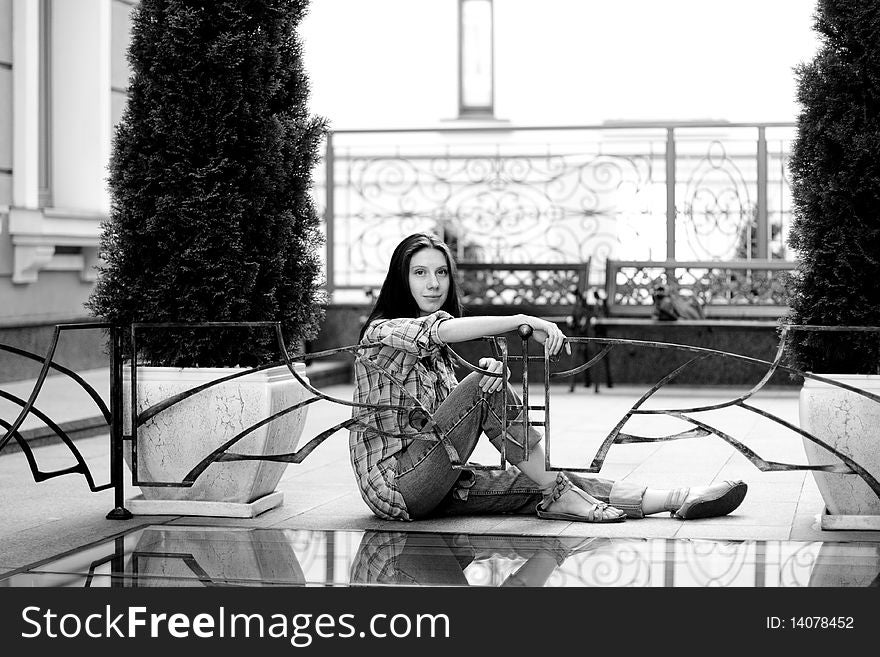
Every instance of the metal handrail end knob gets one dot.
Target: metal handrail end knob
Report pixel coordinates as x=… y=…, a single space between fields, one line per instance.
x=525 y=331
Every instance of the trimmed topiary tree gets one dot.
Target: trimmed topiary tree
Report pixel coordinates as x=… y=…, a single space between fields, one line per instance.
x=210 y=174
x=835 y=171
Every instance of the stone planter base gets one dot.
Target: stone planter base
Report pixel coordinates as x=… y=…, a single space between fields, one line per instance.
x=848 y=422
x=179 y=556
x=173 y=442
x=830 y=522
x=142 y=507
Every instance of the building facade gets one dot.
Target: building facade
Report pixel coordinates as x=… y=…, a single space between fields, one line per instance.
x=63 y=75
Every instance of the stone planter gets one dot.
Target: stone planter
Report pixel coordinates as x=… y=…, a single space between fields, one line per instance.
x=851 y=424
x=846 y=564
x=174 y=441
x=192 y=556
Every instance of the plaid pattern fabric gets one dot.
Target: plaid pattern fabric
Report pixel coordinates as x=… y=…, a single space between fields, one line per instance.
x=376 y=559
x=411 y=352
x=381 y=557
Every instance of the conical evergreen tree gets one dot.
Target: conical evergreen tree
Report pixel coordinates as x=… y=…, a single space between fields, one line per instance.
x=835 y=170
x=211 y=215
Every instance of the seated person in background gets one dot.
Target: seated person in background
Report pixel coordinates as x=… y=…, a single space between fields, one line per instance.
x=670 y=307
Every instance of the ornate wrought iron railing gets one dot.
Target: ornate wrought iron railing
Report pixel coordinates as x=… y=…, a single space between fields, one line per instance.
x=539 y=285
x=112 y=415
x=420 y=417
x=633 y=191
x=730 y=283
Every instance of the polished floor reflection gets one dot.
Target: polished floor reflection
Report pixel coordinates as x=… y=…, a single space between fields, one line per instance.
x=173 y=556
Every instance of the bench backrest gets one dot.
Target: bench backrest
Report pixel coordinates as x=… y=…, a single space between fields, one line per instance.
x=732 y=289
x=545 y=288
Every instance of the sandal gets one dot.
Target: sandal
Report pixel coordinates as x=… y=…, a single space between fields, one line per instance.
x=718 y=500
x=600 y=511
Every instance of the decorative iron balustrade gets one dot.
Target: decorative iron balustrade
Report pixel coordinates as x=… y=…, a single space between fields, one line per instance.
x=709 y=191
x=420 y=417
x=539 y=284
x=731 y=283
x=112 y=415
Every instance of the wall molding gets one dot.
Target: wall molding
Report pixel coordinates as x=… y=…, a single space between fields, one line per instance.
x=36 y=232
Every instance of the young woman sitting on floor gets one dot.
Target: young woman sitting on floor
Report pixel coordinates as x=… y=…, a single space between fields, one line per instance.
x=405 y=474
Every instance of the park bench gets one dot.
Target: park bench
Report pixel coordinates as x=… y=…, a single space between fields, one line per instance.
x=743 y=298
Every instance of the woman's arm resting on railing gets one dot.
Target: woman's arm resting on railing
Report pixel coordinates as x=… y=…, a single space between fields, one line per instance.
x=460 y=329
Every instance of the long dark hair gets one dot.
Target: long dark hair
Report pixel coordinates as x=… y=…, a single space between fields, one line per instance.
x=395 y=298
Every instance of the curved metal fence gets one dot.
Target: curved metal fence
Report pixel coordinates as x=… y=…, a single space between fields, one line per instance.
x=420 y=416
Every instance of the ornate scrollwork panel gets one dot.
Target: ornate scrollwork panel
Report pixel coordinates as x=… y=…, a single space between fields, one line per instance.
x=722 y=284
x=526 y=207
x=576 y=195
x=717 y=211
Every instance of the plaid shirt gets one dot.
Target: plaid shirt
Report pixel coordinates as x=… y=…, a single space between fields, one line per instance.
x=378 y=557
x=409 y=350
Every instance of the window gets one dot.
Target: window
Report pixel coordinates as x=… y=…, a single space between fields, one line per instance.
x=476 y=61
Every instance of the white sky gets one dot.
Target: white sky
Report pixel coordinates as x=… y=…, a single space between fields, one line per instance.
x=385 y=63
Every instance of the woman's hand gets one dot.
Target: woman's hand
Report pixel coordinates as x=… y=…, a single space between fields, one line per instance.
x=492 y=383
x=547 y=334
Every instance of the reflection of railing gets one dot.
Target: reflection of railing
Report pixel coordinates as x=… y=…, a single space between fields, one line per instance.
x=677 y=563
x=180 y=555
x=664 y=191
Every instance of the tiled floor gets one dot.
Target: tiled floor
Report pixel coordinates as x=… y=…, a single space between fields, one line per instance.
x=773 y=539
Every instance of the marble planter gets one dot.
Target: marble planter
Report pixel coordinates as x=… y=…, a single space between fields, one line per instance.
x=193 y=556
x=846 y=564
x=174 y=441
x=851 y=424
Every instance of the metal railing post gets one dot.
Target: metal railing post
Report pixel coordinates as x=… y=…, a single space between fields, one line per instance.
x=669 y=564
x=670 y=193
x=760 y=564
x=117 y=473
x=117 y=564
x=330 y=557
x=329 y=212
x=763 y=236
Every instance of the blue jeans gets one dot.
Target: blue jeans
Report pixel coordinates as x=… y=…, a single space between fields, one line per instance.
x=426 y=559
x=430 y=486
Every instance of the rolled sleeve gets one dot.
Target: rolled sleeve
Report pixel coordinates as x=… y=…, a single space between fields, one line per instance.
x=414 y=335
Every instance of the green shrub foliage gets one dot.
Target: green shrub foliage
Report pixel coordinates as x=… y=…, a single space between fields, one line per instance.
x=211 y=216
x=835 y=171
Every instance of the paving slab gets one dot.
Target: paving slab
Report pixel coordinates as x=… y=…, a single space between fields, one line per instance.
x=48 y=518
